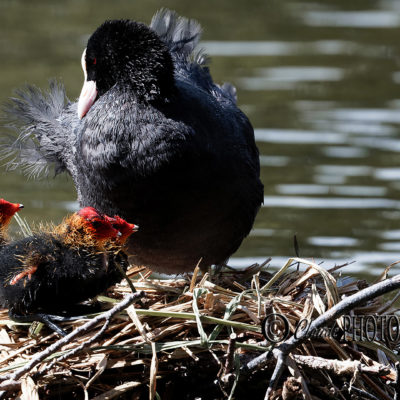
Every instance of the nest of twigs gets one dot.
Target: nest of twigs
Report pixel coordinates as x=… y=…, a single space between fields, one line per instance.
x=194 y=337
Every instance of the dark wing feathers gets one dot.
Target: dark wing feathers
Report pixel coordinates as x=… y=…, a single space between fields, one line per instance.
x=36 y=138
x=182 y=35
x=229 y=90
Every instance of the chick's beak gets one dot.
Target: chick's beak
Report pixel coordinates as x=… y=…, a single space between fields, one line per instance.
x=88 y=93
x=135 y=228
x=17 y=207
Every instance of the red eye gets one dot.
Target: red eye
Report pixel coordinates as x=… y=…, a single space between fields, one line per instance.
x=94 y=61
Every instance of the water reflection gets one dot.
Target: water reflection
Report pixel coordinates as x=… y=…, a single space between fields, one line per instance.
x=377 y=115
x=286 y=78
x=352 y=19
x=344 y=152
x=368 y=191
x=333 y=241
x=244 y=48
x=330 y=202
x=293 y=136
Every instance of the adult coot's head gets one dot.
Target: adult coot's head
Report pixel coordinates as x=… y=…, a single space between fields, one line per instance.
x=128 y=54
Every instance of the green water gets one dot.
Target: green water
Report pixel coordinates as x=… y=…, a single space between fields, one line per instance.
x=318 y=80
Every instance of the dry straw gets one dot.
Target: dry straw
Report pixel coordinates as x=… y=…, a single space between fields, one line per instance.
x=193 y=336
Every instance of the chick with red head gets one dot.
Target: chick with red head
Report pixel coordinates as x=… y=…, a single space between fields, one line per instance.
x=125 y=228
x=7 y=211
x=49 y=272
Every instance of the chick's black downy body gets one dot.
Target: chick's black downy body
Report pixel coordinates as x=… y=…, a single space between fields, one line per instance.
x=63 y=277
x=161 y=145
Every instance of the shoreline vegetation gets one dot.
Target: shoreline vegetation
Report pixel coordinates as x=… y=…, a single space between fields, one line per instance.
x=205 y=336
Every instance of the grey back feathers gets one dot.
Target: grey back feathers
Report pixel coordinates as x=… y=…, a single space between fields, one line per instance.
x=36 y=139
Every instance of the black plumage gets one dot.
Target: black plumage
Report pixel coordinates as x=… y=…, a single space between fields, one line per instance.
x=51 y=272
x=64 y=276
x=158 y=143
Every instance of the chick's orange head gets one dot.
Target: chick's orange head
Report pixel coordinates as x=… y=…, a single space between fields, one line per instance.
x=122 y=226
x=7 y=210
x=101 y=228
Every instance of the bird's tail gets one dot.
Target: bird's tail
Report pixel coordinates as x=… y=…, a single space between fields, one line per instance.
x=34 y=138
x=182 y=35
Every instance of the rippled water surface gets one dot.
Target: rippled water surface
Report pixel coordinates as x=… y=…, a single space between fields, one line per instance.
x=319 y=81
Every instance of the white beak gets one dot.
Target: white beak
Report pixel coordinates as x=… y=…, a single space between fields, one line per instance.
x=88 y=93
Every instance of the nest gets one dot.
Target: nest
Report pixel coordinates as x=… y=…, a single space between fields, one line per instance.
x=191 y=337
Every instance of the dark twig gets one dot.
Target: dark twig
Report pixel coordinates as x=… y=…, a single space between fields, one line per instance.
x=361 y=393
x=376 y=387
x=397 y=382
x=125 y=276
x=296 y=246
x=11 y=380
x=336 y=267
x=296 y=249
x=281 y=351
x=229 y=363
x=227 y=375
x=279 y=368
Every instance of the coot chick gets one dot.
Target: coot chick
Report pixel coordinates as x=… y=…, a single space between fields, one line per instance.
x=158 y=143
x=50 y=272
x=123 y=227
x=7 y=211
